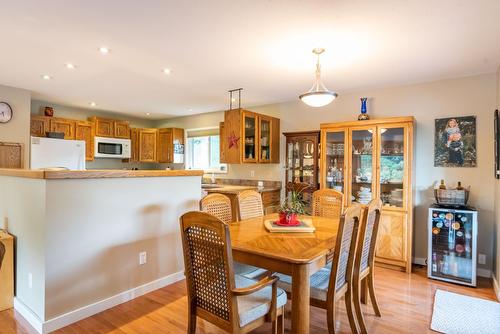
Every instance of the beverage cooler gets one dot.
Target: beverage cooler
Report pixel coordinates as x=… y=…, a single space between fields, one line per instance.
x=452 y=244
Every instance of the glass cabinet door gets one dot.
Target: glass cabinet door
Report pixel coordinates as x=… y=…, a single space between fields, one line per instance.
x=250 y=122
x=392 y=166
x=362 y=165
x=265 y=139
x=334 y=162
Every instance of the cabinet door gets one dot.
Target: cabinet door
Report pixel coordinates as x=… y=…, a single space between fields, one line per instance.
x=63 y=125
x=134 y=139
x=250 y=140
x=40 y=125
x=121 y=129
x=104 y=127
x=362 y=169
x=393 y=153
x=264 y=152
x=147 y=145
x=165 y=146
x=334 y=162
x=85 y=131
x=222 y=143
x=391 y=240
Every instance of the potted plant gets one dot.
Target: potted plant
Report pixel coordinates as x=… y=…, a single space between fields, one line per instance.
x=290 y=208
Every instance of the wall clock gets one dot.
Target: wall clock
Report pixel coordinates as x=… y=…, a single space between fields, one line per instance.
x=5 y=112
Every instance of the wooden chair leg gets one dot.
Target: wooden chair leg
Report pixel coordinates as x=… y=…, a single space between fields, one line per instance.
x=364 y=291
x=356 y=298
x=281 y=321
x=373 y=298
x=350 y=312
x=330 y=317
x=191 y=323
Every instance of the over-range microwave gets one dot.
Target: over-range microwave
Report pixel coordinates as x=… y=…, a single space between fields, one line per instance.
x=112 y=148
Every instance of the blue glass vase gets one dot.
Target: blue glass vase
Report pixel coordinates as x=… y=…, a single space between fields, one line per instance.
x=364 y=115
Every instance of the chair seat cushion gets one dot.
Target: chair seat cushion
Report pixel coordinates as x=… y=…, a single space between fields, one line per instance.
x=257 y=304
x=319 y=283
x=248 y=271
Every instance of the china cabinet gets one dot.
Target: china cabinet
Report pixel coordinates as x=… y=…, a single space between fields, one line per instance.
x=302 y=163
x=249 y=137
x=373 y=159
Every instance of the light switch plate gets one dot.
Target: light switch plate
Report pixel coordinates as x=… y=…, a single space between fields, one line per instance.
x=481 y=259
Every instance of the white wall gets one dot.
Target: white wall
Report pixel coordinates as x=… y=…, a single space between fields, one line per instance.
x=458 y=97
x=22 y=204
x=18 y=129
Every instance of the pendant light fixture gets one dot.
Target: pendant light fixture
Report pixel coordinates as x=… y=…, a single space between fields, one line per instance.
x=318 y=95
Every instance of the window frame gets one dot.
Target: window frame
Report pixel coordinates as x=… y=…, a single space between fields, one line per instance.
x=187 y=152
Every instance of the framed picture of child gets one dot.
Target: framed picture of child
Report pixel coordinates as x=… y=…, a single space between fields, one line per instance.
x=455 y=142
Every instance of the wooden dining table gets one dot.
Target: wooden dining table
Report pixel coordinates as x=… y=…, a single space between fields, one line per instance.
x=296 y=254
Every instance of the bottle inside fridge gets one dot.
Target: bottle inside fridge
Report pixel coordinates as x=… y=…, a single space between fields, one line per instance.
x=452 y=245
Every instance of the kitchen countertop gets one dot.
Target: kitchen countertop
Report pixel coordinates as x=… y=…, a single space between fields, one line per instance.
x=234 y=189
x=94 y=174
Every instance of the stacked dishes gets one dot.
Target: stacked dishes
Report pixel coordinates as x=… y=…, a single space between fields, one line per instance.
x=364 y=195
x=396 y=197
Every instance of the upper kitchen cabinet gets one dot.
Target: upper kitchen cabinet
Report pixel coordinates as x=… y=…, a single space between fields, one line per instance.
x=144 y=145
x=67 y=126
x=122 y=129
x=249 y=137
x=170 y=145
x=111 y=128
x=40 y=125
x=85 y=130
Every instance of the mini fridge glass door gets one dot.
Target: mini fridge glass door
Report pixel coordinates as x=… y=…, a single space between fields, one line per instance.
x=452 y=245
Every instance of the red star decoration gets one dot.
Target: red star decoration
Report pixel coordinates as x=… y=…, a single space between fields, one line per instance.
x=233 y=140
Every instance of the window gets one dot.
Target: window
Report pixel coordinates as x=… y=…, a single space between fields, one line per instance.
x=202 y=151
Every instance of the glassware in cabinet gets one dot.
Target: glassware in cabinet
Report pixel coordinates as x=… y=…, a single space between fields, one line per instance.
x=250 y=138
x=392 y=166
x=362 y=165
x=334 y=172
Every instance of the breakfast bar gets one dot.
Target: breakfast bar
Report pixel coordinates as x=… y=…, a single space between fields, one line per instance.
x=90 y=239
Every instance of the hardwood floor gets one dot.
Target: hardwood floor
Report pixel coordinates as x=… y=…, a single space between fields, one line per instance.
x=405 y=302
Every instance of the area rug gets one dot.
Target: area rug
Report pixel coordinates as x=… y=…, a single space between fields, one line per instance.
x=458 y=314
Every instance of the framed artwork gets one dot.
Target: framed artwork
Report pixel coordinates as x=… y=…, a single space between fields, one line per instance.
x=497 y=145
x=455 y=142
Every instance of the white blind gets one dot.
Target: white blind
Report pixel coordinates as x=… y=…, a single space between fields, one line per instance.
x=201 y=133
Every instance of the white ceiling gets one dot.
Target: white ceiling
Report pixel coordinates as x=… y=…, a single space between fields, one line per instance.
x=213 y=46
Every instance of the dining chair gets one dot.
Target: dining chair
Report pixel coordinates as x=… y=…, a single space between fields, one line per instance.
x=2 y=253
x=364 y=261
x=332 y=282
x=219 y=205
x=231 y=302
x=250 y=204
x=327 y=203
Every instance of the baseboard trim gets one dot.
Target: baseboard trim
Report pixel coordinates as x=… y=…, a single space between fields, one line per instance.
x=480 y=271
x=28 y=315
x=89 y=310
x=496 y=287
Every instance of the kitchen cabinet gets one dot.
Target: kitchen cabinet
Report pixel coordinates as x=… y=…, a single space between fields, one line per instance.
x=170 y=140
x=144 y=145
x=250 y=137
x=39 y=126
x=302 y=163
x=222 y=143
x=122 y=129
x=67 y=126
x=85 y=130
x=103 y=127
x=373 y=159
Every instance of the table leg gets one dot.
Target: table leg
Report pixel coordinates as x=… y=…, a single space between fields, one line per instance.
x=300 y=299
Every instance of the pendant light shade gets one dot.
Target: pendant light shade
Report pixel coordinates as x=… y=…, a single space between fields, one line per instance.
x=318 y=95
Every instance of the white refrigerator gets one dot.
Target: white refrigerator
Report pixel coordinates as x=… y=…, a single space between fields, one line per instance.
x=57 y=153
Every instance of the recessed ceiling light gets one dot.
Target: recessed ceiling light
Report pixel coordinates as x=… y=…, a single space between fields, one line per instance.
x=46 y=77
x=190 y=109
x=92 y=104
x=70 y=66
x=166 y=71
x=104 y=50
x=147 y=114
